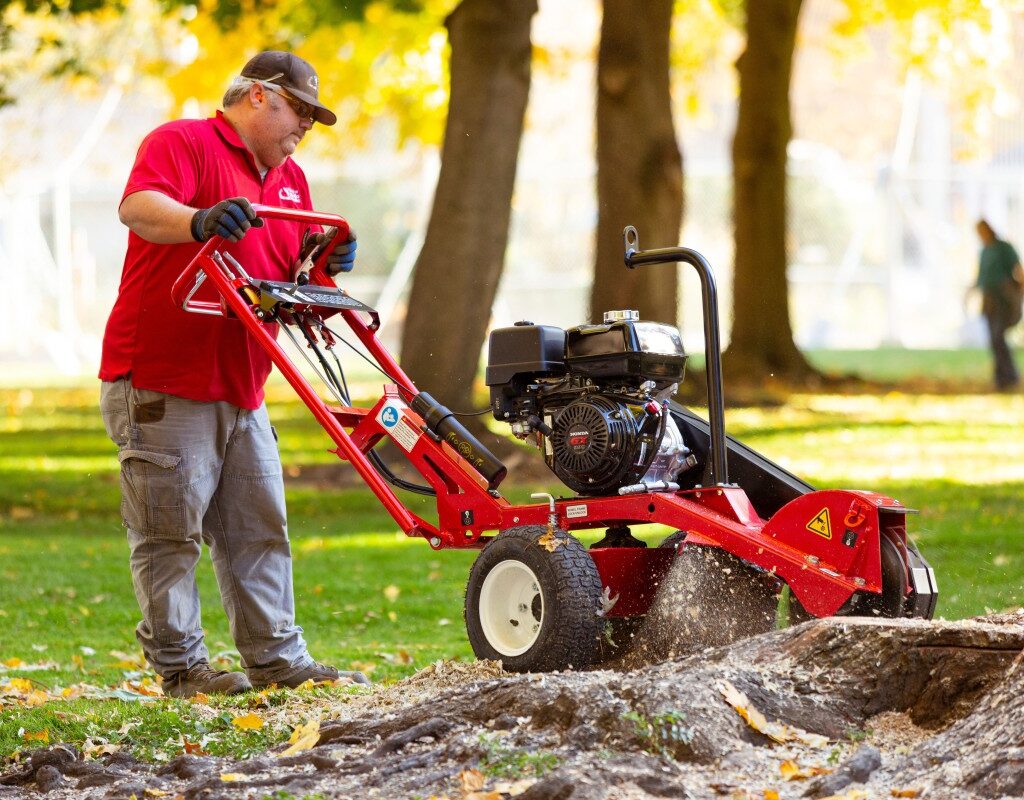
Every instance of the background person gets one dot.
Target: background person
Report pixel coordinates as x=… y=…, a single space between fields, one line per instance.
x=182 y=394
x=999 y=279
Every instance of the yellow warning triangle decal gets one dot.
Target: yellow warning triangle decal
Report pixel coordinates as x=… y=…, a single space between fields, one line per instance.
x=821 y=524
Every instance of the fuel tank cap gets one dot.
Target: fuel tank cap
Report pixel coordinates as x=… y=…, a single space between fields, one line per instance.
x=622 y=315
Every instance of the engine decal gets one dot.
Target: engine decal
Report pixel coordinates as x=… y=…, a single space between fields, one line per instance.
x=821 y=524
x=576 y=512
x=398 y=427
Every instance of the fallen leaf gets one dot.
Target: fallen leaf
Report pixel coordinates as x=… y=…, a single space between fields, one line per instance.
x=492 y=795
x=791 y=771
x=14 y=663
x=304 y=737
x=192 y=748
x=852 y=794
x=905 y=792
x=232 y=777
x=771 y=794
x=21 y=685
x=471 y=780
x=201 y=698
x=248 y=722
x=776 y=731
x=391 y=593
x=155 y=793
x=37 y=736
x=514 y=788
x=101 y=748
x=549 y=542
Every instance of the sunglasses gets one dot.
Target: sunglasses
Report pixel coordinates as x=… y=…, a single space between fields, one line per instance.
x=303 y=109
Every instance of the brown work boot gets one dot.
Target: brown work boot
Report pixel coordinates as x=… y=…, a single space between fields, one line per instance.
x=205 y=679
x=318 y=673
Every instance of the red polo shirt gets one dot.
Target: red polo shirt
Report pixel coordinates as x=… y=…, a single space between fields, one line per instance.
x=199 y=357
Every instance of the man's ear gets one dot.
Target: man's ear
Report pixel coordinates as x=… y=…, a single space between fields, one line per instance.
x=256 y=95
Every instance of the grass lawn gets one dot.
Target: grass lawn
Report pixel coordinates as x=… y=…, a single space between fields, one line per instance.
x=371 y=599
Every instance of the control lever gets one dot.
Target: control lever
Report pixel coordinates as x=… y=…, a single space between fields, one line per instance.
x=302 y=273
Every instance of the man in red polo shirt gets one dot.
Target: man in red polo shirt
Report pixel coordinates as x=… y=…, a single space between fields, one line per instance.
x=182 y=394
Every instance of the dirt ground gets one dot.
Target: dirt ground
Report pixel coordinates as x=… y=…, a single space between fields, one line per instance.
x=842 y=708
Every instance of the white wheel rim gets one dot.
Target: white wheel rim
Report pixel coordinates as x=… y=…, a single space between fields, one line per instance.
x=511 y=608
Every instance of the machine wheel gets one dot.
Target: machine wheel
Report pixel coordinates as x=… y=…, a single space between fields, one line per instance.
x=532 y=609
x=673 y=540
x=891 y=602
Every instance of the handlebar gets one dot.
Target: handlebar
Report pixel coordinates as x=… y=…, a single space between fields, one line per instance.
x=717 y=470
x=189 y=280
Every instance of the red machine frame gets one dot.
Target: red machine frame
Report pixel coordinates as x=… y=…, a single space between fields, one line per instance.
x=825 y=545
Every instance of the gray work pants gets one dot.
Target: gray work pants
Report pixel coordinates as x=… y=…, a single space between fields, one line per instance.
x=195 y=472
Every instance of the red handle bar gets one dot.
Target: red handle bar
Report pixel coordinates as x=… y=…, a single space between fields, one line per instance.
x=186 y=280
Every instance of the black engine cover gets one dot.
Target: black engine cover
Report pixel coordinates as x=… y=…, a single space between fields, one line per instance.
x=595 y=446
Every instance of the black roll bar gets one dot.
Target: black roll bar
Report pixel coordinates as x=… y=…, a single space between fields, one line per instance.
x=635 y=257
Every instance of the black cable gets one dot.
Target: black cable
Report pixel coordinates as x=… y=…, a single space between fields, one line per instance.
x=471 y=413
x=341 y=386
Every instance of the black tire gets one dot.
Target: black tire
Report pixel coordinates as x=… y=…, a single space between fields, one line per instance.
x=892 y=601
x=673 y=540
x=562 y=599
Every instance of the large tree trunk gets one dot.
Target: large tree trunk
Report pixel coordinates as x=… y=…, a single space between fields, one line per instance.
x=762 y=337
x=639 y=167
x=457 y=271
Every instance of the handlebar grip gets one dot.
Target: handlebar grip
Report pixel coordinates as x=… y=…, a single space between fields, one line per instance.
x=185 y=282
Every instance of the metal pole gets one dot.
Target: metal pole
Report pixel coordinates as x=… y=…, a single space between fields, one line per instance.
x=634 y=258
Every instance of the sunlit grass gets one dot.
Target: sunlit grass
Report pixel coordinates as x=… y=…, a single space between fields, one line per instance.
x=371 y=598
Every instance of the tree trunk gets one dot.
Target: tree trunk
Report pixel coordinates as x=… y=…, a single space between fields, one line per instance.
x=762 y=337
x=458 y=269
x=639 y=166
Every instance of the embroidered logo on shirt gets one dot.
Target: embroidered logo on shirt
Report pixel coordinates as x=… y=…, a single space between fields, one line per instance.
x=289 y=195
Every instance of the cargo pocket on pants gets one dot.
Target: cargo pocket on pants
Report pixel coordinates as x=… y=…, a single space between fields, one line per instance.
x=152 y=493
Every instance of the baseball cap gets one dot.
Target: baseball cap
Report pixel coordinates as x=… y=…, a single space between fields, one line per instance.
x=293 y=74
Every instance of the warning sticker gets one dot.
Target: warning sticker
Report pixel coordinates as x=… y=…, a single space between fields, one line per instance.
x=405 y=434
x=821 y=524
x=398 y=427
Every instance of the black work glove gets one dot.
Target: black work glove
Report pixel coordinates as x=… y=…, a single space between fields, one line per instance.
x=230 y=218
x=340 y=259
x=343 y=257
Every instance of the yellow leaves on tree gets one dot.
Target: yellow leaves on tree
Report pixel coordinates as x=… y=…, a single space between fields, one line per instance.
x=394 y=64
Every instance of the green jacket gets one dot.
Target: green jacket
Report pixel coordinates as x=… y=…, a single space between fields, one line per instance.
x=996 y=265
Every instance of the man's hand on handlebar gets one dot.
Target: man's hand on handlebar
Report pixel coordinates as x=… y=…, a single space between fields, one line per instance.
x=341 y=259
x=230 y=219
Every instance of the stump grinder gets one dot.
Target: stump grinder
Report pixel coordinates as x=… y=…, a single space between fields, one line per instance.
x=596 y=401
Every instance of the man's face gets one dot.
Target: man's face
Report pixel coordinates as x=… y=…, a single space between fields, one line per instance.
x=280 y=126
